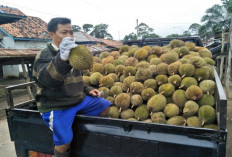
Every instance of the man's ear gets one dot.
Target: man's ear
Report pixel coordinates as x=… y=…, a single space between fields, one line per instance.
x=51 y=34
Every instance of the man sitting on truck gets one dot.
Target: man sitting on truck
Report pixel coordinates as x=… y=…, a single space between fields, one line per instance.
x=61 y=91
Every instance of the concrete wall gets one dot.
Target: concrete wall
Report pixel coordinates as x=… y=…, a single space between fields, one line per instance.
x=9 y=42
x=6 y=42
x=10 y=70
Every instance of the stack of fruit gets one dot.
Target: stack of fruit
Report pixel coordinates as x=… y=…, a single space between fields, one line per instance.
x=173 y=84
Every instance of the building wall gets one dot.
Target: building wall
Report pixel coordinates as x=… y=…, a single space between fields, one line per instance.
x=10 y=70
x=9 y=42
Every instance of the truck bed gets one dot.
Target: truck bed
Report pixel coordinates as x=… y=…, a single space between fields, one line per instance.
x=103 y=137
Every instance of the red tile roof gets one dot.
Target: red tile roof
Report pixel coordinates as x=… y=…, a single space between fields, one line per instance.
x=10 y=10
x=31 y=27
x=112 y=43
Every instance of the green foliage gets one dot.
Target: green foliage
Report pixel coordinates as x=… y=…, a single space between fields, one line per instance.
x=186 y=34
x=100 y=31
x=144 y=31
x=76 y=28
x=87 y=27
x=131 y=36
x=173 y=35
x=215 y=19
x=228 y=5
x=193 y=28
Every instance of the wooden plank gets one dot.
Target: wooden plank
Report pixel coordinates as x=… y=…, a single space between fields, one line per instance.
x=9 y=97
x=27 y=78
x=228 y=70
x=24 y=103
x=222 y=57
x=8 y=90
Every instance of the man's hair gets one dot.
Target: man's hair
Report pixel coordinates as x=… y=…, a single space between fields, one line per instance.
x=53 y=23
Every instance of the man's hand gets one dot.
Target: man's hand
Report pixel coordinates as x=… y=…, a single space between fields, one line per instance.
x=94 y=92
x=66 y=45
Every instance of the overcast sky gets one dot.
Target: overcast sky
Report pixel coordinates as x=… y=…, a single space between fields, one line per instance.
x=164 y=16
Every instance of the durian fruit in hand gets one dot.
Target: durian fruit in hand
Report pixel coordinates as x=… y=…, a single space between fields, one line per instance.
x=81 y=58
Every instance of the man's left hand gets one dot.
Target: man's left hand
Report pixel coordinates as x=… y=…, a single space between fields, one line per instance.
x=94 y=92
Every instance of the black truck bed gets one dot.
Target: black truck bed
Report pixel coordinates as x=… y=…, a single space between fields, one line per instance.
x=103 y=137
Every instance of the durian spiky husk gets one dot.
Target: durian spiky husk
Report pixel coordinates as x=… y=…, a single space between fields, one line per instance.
x=81 y=58
x=181 y=66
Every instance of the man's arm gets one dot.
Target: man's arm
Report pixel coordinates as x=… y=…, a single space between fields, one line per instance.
x=50 y=73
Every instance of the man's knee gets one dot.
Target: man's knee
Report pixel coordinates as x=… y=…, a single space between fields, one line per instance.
x=62 y=148
x=105 y=112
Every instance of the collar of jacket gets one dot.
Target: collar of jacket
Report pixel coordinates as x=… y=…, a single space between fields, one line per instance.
x=54 y=51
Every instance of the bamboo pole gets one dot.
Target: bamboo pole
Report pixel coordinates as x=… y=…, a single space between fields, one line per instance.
x=26 y=78
x=222 y=56
x=228 y=69
x=229 y=62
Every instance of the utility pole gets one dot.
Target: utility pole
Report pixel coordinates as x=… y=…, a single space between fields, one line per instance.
x=118 y=35
x=137 y=23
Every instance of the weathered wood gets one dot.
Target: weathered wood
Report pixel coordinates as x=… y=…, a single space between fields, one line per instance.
x=9 y=97
x=228 y=70
x=8 y=90
x=26 y=78
x=222 y=57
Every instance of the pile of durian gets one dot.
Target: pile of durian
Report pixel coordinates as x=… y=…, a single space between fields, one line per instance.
x=173 y=84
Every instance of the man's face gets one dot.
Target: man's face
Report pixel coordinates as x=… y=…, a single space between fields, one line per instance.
x=61 y=32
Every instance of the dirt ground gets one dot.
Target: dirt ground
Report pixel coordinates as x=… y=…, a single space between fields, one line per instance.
x=7 y=147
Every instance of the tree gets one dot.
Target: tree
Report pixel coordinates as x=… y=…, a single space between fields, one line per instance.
x=87 y=27
x=193 y=28
x=173 y=36
x=76 y=28
x=131 y=36
x=228 y=5
x=216 y=18
x=144 y=31
x=153 y=35
x=100 y=31
x=186 y=34
x=205 y=31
